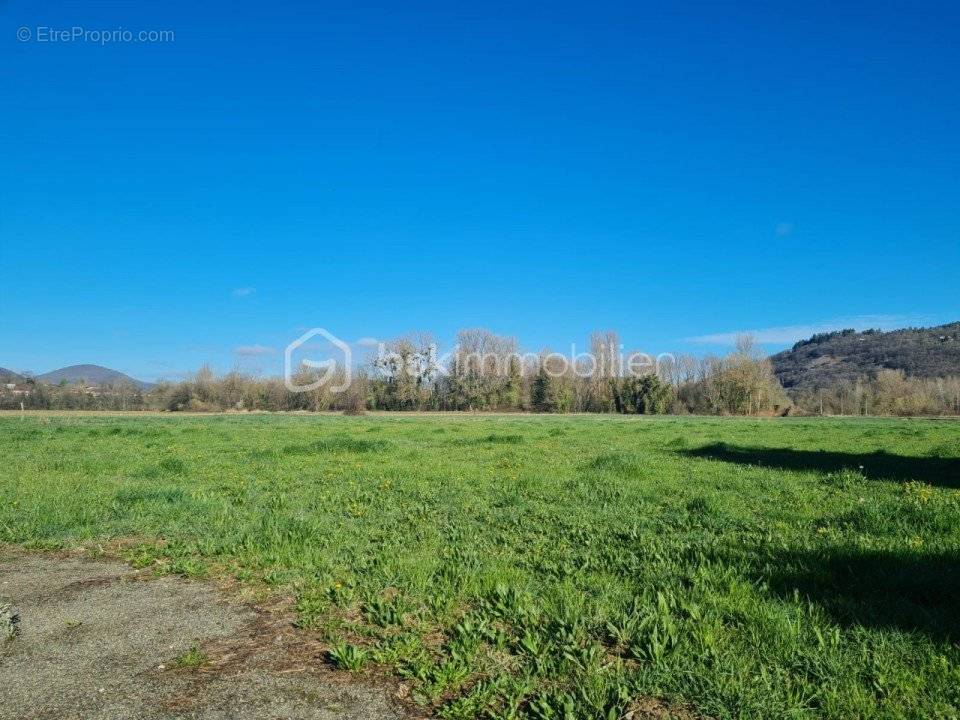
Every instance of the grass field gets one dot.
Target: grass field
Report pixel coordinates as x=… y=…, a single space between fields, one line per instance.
x=549 y=567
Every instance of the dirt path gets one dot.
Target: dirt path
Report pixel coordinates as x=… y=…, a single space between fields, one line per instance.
x=100 y=641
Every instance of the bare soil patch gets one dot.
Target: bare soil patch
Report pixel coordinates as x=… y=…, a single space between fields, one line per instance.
x=100 y=641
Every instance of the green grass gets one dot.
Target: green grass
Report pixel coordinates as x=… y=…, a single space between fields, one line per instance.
x=192 y=658
x=549 y=567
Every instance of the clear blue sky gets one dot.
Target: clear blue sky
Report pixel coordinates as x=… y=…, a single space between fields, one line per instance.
x=669 y=170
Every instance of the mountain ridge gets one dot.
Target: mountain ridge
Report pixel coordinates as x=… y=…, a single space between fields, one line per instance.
x=91 y=374
x=9 y=376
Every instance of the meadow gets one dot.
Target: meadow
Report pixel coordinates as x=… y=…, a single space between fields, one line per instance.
x=547 y=566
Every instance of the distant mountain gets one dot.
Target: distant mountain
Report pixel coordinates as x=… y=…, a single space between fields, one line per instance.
x=9 y=376
x=91 y=375
x=828 y=358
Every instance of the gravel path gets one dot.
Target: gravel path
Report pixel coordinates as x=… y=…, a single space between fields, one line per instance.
x=99 y=641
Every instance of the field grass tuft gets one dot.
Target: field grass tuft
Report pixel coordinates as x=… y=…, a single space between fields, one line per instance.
x=336 y=444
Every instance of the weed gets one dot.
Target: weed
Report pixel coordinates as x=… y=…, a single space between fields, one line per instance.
x=385 y=612
x=917 y=493
x=192 y=658
x=348 y=657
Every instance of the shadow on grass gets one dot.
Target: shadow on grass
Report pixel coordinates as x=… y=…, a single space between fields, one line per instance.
x=940 y=471
x=904 y=590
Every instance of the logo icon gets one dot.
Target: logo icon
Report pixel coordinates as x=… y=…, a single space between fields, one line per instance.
x=328 y=368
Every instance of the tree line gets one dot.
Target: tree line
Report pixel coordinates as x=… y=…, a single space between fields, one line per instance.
x=486 y=372
x=887 y=392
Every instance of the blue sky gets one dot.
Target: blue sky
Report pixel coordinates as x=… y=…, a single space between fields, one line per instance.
x=677 y=172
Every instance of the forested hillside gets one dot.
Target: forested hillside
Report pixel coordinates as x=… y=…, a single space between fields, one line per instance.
x=828 y=359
